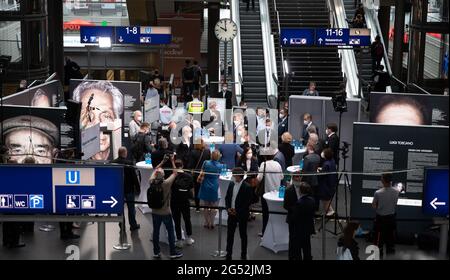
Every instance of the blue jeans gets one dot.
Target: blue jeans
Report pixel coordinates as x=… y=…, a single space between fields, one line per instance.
x=131 y=210
x=168 y=223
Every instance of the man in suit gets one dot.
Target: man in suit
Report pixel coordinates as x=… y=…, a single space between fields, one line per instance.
x=266 y=137
x=237 y=201
x=282 y=123
x=130 y=185
x=332 y=140
x=225 y=93
x=308 y=126
x=299 y=203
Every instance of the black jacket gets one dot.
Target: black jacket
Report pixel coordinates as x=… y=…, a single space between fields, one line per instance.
x=288 y=151
x=300 y=211
x=333 y=143
x=244 y=198
x=228 y=97
x=310 y=165
x=354 y=248
x=130 y=180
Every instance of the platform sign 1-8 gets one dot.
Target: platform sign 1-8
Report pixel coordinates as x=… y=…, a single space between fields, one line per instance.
x=150 y=35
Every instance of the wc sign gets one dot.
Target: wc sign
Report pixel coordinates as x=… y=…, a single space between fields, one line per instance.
x=72 y=177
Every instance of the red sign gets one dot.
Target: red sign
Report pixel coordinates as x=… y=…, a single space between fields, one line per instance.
x=74 y=25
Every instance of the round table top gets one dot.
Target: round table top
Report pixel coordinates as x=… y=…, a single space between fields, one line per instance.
x=272 y=196
x=227 y=177
x=214 y=139
x=300 y=150
x=293 y=168
x=143 y=165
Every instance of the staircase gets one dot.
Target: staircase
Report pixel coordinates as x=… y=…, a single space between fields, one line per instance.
x=319 y=64
x=363 y=57
x=252 y=53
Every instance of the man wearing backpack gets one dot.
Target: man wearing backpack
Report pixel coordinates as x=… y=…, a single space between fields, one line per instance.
x=181 y=193
x=299 y=203
x=158 y=198
x=187 y=77
x=377 y=53
x=141 y=143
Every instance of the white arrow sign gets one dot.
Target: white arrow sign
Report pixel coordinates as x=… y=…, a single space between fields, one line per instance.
x=113 y=202
x=285 y=40
x=120 y=39
x=85 y=39
x=435 y=203
x=320 y=40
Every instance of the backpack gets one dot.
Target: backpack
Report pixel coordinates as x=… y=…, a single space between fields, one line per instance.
x=343 y=254
x=379 y=51
x=155 y=195
x=181 y=188
x=138 y=146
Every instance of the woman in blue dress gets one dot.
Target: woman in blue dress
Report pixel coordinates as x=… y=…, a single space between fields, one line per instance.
x=209 y=188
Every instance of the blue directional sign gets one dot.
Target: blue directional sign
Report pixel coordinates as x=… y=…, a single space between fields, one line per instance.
x=294 y=37
x=332 y=37
x=61 y=189
x=152 y=35
x=90 y=34
x=322 y=37
x=435 y=192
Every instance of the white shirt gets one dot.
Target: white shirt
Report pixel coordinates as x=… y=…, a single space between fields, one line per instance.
x=248 y=163
x=272 y=180
x=237 y=187
x=151 y=92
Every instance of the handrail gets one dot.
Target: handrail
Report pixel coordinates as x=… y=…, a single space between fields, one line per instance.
x=237 y=58
x=283 y=71
x=275 y=79
x=268 y=49
x=346 y=56
x=405 y=87
x=419 y=88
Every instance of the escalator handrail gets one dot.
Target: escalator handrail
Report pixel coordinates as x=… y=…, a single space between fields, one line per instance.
x=422 y=90
x=279 y=38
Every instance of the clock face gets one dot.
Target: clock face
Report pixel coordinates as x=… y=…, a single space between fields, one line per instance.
x=225 y=30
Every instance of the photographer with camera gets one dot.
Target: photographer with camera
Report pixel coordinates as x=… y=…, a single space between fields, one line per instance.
x=161 y=152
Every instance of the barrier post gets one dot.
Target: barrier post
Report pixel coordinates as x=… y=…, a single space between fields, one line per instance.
x=219 y=253
x=101 y=241
x=324 y=241
x=123 y=245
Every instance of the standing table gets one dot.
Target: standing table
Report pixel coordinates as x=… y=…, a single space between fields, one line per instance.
x=146 y=171
x=276 y=236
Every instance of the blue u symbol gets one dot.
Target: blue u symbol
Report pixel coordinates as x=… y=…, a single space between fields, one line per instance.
x=72 y=177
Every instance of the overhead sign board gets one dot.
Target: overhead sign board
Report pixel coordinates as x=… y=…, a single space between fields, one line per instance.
x=435 y=192
x=322 y=37
x=146 y=35
x=61 y=189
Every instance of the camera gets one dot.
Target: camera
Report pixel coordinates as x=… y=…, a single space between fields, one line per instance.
x=345 y=149
x=339 y=103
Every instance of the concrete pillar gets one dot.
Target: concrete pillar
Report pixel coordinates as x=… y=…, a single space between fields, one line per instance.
x=399 y=25
x=213 y=46
x=55 y=38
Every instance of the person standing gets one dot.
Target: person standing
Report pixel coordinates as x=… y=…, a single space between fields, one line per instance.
x=381 y=80
x=195 y=106
x=385 y=205
x=311 y=90
x=181 y=193
x=310 y=164
x=238 y=199
x=187 y=78
x=158 y=83
x=164 y=214
x=347 y=240
x=286 y=148
x=282 y=123
x=197 y=75
x=196 y=160
x=270 y=176
x=209 y=188
x=135 y=123
x=151 y=92
x=230 y=151
x=130 y=185
x=327 y=182
x=299 y=202
x=141 y=143
x=227 y=94
x=376 y=52
x=332 y=140
x=308 y=125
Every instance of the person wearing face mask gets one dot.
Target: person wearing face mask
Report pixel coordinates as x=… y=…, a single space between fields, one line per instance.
x=282 y=123
x=299 y=203
x=249 y=163
x=307 y=125
x=135 y=123
x=227 y=94
x=311 y=90
x=332 y=140
x=266 y=137
x=260 y=119
x=141 y=143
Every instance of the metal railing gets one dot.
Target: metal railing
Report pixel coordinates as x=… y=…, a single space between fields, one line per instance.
x=422 y=90
x=237 y=58
x=268 y=48
x=277 y=14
